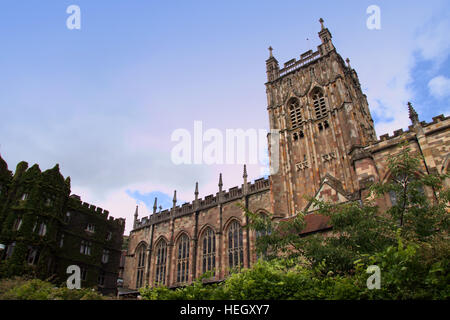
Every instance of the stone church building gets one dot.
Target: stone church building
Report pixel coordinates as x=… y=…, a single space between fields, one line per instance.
x=327 y=149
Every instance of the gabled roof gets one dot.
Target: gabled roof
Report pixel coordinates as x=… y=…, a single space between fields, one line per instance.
x=331 y=190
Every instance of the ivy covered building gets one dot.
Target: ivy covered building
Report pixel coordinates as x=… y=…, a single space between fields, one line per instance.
x=44 y=229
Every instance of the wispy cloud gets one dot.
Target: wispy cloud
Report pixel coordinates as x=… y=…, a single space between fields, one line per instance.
x=439 y=87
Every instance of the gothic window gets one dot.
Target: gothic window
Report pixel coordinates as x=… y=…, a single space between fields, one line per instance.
x=393 y=197
x=61 y=241
x=183 y=259
x=298 y=135
x=235 y=245
x=33 y=256
x=90 y=227
x=161 y=258
x=10 y=250
x=101 y=278
x=405 y=182
x=105 y=256
x=140 y=252
x=263 y=232
x=85 y=247
x=42 y=229
x=320 y=108
x=295 y=113
x=17 y=224
x=83 y=271
x=209 y=251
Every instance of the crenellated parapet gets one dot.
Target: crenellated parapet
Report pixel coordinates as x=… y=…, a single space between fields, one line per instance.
x=209 y=201
x=438 y=123
x=75 y=203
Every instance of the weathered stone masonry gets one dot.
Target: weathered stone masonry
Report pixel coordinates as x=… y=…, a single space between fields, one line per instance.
x=328 y=150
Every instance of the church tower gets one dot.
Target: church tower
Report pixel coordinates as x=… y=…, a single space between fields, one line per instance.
x=322 y=116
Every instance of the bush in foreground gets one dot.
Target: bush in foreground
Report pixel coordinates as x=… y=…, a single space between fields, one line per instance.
x=35 y=289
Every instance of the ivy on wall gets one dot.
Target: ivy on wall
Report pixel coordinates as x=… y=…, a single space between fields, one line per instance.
x=41 y=200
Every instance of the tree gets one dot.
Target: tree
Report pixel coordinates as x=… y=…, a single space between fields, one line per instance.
x=360 y=228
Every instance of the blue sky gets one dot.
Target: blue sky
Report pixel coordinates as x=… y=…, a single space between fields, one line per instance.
x=103 y=101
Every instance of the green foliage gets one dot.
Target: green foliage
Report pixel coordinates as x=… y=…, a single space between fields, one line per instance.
x=408 y=242
x=404 y=275
x=35 y=289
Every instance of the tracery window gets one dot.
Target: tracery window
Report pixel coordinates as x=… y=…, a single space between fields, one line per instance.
x=161 y=258
x=320 y=108
x=209 y=251
x=85 y=247
x=235 y=245
x=295 y=113
x=183 y=259
x=262 y=233
x=140 y=266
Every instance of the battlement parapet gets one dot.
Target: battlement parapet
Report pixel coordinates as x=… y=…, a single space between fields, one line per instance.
x=386 y=140
x=293 y=64
x=77 y=204
x=208 y=201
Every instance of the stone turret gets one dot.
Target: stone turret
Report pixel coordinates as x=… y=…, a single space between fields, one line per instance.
x=136 y=217
x=272 y=67
x=325 y=37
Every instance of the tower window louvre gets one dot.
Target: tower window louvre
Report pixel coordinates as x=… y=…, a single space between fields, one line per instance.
x=320 y=108
x=295 y=113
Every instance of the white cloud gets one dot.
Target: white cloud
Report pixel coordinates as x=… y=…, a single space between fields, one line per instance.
x=433 y=41
x=439 y=87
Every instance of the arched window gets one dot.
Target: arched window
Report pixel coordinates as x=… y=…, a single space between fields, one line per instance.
x=263 y=232
x=320 y=108
x=161 y=258
x=183 y=259
x=408 y=190
x=235 y=245
x=140 y=253
x=209 y=251
x=295 y=113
